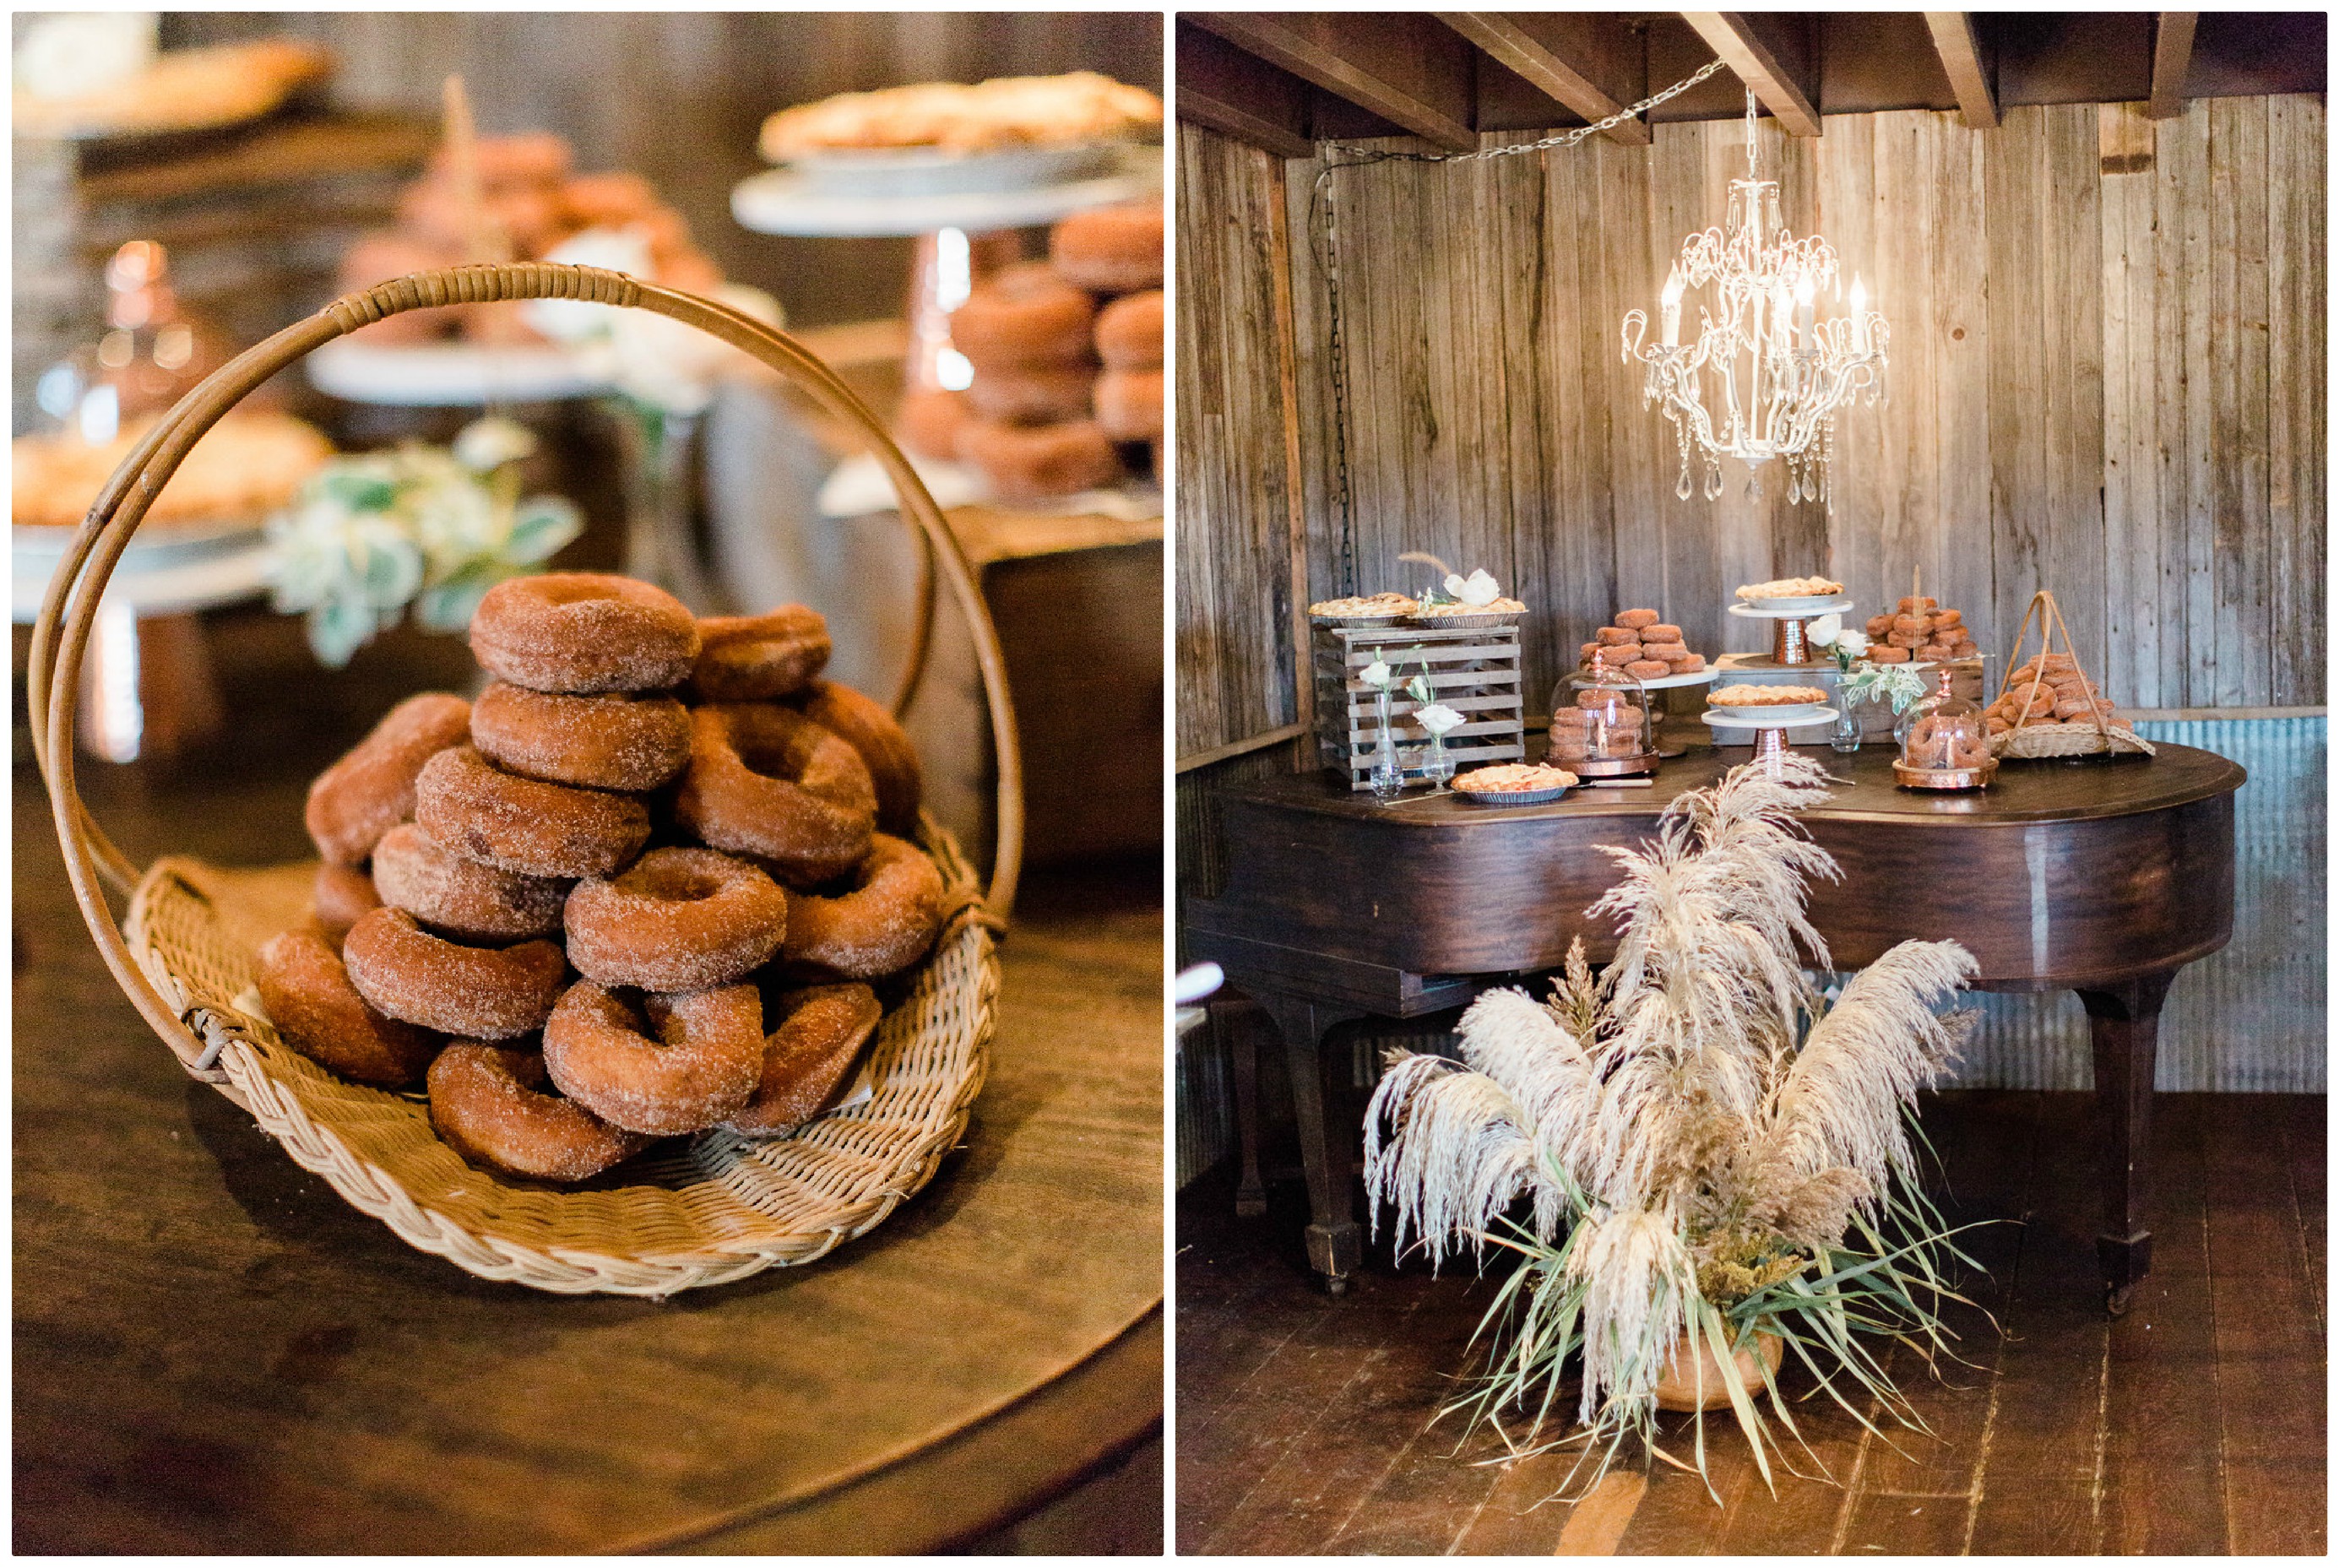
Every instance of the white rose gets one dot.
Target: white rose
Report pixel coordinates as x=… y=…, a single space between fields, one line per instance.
x=1825 y=630
x=1852 y=643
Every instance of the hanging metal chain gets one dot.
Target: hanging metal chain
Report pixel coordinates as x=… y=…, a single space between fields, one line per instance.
x=1323 y=239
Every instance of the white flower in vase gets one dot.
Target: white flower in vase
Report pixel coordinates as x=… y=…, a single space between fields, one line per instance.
x=1377 y=675
x=1439 y=720
x=1825 y=630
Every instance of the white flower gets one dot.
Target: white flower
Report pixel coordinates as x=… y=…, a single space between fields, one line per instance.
x=1437 y=718
x=1852 y=643
x=674 y=366
x=578 y=320
x=1478 y=588
x=1377 y=674
x=484 y=445
x=1825 y=630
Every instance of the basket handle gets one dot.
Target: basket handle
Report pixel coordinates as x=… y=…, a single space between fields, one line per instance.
x=69 y=609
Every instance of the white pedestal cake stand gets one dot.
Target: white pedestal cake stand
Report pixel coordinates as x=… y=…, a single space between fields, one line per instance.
x=1767 y=737
x=1788 y=618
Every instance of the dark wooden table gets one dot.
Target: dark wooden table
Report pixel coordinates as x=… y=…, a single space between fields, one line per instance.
x=2103 y=876
x=215 y=1353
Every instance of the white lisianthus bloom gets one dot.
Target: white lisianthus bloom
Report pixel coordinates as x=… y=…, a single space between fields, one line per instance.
x=672 y=366
x=485 y=445
x=1825 y=630
x=1438 y=719
x=1377 y=674
x=1478 y=588
x=1853 y=643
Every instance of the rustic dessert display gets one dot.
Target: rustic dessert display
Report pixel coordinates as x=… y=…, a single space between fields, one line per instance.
x=1920 y=631
x=570 y=994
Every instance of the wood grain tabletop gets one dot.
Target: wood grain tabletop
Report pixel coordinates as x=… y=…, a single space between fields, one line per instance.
x=214 y=1353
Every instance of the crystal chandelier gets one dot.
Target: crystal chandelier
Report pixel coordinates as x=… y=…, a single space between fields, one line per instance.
x=1777 y=375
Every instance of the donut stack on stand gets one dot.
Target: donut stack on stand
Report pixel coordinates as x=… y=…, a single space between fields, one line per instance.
x=638 y=889
x=1920 y=630
x=2049 y=688
x=533 y=198
x=1641 y=642
x=1067 y=359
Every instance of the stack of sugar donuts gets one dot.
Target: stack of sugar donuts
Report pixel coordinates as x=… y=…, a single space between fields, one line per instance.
x=1067 y=362
x=1600 y=727
x=2048 y=688
x=640 y=888
x=1642 y=643
x=533 y=200
x=1920 y=630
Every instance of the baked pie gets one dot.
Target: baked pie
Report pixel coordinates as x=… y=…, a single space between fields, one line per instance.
x=1513 y=778
x=1004 y=112
x=244 y=468
x=1365 y=605
x=1754 y=696
x=1456 y=607
x=1792 y=588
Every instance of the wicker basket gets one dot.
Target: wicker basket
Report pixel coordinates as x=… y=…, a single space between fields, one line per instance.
x=2094 y=736
x=714 y=1208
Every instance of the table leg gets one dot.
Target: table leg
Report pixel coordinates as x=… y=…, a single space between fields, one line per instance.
x=1242 y=1048
x=2124 y=1022
x=1335 y=1244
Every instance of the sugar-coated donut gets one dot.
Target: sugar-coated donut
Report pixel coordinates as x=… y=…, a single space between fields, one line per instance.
x=700 y=1065
x=1933 y=653
x=1905 y=640
x=2071 y=708
x=1613 y=637
x=1661 y=632
x=338 y=896
x=768 y=781
x=1883 y=654
x=584 y=632
x=1129 y=332
x=1036 y=462
x=883 y=924
x=371 y=789
x=1879 y=625
x=1619 y=654
x=1128 y=404
x=869 y=728
x=616 y=196
x=522 y=158
x=677 y=919
x=464 y=899
x=1687 y=664
x=1024 y=315
x=611 y=740
x=1664 y=652
x=1113 y=250
x=1635 y=619
x=1907 y=623
x=1034 y=394
x=747 y=658
x=929 y=422
x=1649 y=669
x=817 y=1035
x=474 y=808
x=479 y=992
x=1943 y=619
x=321 y=1014
x=488 y=1103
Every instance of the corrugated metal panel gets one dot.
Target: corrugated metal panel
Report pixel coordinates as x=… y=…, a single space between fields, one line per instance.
x=2250 y=1017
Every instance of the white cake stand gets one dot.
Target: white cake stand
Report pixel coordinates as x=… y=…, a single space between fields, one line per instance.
x=1768 y=737
x=788 y=202
x=1788 y=645
x=452 y=375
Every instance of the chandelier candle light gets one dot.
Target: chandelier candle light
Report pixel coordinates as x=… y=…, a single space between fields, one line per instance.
x=1778 y=373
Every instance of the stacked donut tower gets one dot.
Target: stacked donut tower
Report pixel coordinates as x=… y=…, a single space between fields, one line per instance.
x=638 y=889
x=1060 y=384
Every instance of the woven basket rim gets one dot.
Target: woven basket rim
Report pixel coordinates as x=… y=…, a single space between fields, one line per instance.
x=337 y=1130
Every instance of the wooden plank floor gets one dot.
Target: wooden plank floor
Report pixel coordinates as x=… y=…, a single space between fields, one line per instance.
x=2192 y=1424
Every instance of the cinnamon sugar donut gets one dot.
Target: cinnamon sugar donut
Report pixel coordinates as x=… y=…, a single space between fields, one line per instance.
x=818 y=1035
x=338 y=896
x=584 y=632
x=488 y=1103
x=1128 y=404
x=464 y=899
x=1035 y=462
x=1635 y=619
x=744 y=658
x=701 y=1064
x=479 y=992
x=1113 y=250
x=1024 y=315
x=929 y=422
x=468 y=805
x=319 y=1013
x=767 y=781
x=1032 y=394
x=611 y=740
x=1129 y=333
x=869 y=728
x=883 y=924
x=677 y=919
x=371 y=789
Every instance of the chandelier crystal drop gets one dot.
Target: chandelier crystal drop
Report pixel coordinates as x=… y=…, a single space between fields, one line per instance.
x=1765 y=377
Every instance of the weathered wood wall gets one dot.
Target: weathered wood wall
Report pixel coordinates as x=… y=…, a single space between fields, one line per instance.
x=2108 y=384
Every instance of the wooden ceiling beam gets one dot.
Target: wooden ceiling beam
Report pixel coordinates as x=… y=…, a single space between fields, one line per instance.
x=1401 y=65
x=1961 y=62
x=1239 y=94
x=1586 y=60
x=2172 y=57
x=1758 y=49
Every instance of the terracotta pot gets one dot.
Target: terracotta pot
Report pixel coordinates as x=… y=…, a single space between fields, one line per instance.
x=1678 y=1389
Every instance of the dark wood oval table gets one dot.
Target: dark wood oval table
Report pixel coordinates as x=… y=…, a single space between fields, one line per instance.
x=2104 y=876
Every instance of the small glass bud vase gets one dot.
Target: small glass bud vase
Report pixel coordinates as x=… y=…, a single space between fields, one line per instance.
x=1388 y=776
x=1600 y=725
x=1944 y=743
x=1438 y=766
x=1848 y=727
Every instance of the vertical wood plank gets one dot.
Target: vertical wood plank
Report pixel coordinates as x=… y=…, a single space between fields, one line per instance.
x=1960 y=325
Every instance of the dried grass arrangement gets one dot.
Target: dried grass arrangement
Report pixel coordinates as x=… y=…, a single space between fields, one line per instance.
x=1691 y=1150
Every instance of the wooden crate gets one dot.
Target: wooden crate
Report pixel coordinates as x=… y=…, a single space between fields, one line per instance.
x=1473 y=670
